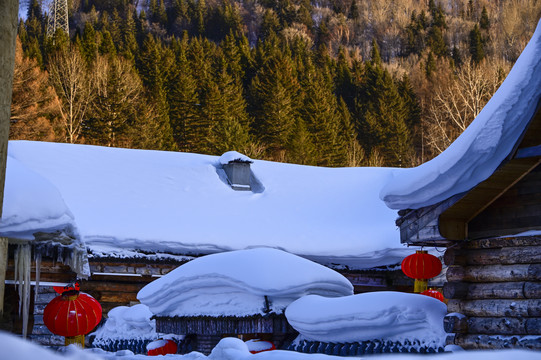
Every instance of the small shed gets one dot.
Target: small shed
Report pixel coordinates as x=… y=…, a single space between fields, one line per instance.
x=481 y=199
x=240 y=293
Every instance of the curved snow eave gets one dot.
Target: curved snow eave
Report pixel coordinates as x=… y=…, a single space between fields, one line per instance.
x=482 y=147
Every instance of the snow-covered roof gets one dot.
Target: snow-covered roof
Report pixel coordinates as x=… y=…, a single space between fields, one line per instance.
x=383 y=315
x=171 y=202
x=482 y=147
x=32 y=203
x=240 y=283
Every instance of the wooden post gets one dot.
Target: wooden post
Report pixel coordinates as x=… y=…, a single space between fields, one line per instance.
x=8 y=33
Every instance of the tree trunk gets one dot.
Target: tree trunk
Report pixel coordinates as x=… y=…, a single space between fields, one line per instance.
x=8 y=33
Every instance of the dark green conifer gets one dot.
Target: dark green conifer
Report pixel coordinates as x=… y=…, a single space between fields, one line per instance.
x=476 y=45
x=484 y=22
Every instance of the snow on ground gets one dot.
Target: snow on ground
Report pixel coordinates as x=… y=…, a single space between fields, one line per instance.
x=122 y=321
x=14 y=348
x=482 y=147
x=235 y=283
x=384 y=315
x=176 y=202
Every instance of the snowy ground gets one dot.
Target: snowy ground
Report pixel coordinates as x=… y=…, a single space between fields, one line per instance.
x=14 y=348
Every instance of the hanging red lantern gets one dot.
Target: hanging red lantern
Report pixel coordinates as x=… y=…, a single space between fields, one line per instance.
x=434 y=293
x=162 y=347
x=72 y=315
x=421 y=266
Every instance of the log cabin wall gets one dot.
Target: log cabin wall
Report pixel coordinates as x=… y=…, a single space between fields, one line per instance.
x=494 y=292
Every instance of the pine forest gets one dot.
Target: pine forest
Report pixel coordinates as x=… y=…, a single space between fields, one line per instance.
x=321 y=82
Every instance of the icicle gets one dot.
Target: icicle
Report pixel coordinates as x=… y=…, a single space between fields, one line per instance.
x=37 y=260
x=23 y=265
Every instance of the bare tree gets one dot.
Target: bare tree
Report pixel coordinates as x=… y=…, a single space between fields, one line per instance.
x=455 y=104
x=72 y=82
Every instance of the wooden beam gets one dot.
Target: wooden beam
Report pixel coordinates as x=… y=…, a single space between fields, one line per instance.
x=533 y=151
x=453 y=221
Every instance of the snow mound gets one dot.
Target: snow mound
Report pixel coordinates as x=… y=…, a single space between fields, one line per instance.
x=385 y=315
x=126 y=322
x=240 y=283
x=482 y=147
x=31 y=204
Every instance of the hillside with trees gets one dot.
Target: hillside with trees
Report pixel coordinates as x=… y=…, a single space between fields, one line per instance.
x=329 y=83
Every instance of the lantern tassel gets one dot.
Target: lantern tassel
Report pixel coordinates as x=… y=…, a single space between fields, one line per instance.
x=420 y=285
x=77 y=340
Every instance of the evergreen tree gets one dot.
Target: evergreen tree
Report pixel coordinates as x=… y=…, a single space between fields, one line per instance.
x=106 y=45
x=226 y=108
x=89 y=46
x=484 y=22
x=476 y=45
x=274 y=103
x=382 y=117
x=437 y=43
x=430 y=65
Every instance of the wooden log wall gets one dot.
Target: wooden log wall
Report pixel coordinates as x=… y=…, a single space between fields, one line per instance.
x=494 y=292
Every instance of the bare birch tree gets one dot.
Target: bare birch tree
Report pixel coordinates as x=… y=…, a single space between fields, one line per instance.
x=455 y=104
x=72 y=82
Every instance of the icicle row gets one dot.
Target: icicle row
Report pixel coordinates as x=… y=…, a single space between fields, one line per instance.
x=23 y=265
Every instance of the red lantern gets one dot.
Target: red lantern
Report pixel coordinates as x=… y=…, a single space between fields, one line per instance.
x=162 y=347
x=421 y=266
x=434 y=293
x=72 y=315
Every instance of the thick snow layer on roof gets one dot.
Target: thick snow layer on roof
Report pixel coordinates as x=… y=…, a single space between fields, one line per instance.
x=31 y=204
x=236 y=283
x=385 y=315
x=482 y=147
x=176 y=202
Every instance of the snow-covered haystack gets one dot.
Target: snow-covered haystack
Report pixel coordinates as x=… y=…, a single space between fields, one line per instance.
x=240 y=283
x=396 y=321
x=126 y=328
